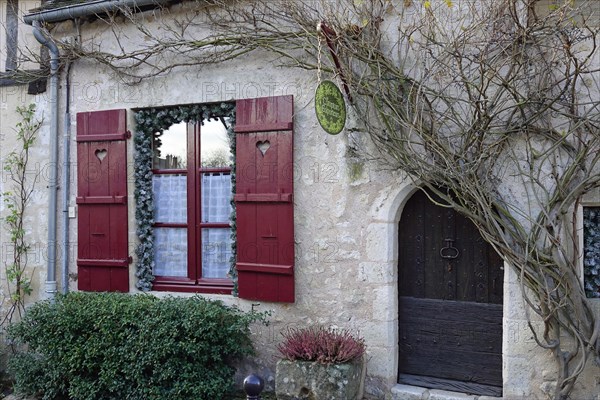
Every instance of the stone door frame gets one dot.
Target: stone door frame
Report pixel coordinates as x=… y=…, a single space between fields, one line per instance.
x=382 y=243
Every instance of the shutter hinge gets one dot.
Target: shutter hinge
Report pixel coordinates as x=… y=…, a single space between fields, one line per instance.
x=128 y=134
x=129 y=260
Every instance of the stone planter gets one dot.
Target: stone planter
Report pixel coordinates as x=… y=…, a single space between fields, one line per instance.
x=309 y=380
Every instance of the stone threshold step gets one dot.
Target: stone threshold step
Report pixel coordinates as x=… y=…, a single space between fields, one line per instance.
x=407 y=392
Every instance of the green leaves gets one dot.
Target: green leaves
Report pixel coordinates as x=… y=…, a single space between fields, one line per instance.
x=93 y=346
x=16 y=202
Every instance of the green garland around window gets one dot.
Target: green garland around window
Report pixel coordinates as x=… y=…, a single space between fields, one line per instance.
x=153 y=122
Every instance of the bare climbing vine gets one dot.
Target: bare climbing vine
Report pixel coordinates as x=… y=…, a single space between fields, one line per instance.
x=492 y=105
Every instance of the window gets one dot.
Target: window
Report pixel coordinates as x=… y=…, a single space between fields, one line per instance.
x=183 y=196
x=192 y=190
x=591 y=251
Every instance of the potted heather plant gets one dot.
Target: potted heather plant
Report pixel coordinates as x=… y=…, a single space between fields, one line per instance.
x=320 y=363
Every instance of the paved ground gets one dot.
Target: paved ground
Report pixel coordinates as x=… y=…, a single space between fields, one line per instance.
x=406 y=392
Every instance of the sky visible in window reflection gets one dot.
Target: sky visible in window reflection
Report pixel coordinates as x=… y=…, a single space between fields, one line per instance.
x=214 y=145
x=215 y=151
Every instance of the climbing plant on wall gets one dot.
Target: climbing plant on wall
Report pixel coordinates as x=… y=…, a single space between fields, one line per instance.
x=151 y=123
x=21 y=188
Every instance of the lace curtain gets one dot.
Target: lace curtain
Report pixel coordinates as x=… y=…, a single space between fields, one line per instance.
x=170 y=201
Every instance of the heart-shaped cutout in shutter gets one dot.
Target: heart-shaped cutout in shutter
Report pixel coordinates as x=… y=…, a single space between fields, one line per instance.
x=263 y=146
x=101 y=154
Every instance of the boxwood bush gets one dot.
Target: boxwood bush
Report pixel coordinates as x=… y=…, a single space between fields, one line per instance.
x=88 y=346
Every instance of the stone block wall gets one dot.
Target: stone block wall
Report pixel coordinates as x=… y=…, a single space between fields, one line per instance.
x=346 y=216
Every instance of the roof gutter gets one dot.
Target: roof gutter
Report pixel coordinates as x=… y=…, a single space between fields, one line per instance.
x=86 y=9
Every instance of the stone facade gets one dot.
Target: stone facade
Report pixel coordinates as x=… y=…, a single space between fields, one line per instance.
x=346 y=216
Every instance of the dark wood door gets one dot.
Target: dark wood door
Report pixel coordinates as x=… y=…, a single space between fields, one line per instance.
x=450 y=302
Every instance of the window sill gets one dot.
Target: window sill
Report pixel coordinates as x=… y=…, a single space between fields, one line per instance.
x=185 y=285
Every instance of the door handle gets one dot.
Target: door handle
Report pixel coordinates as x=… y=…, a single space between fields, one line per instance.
x=449 y=252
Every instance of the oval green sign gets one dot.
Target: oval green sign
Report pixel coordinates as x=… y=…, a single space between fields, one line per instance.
x=330 y=107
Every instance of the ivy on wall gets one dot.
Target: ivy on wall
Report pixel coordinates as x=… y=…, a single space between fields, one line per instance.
x=591 y=251
x=151 y=123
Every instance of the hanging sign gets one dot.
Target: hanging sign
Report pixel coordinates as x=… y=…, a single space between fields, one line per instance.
x=330 y=107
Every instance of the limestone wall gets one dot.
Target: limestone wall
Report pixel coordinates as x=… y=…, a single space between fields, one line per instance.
x=346 y=214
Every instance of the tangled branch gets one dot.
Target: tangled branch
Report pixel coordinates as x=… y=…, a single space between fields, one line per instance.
x=491 y=105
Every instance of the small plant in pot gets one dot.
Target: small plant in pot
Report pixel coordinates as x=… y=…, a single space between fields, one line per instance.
x=320 y=363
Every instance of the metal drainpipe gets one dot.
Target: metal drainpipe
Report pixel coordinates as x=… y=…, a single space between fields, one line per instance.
x=66 y=182
x=50 y=286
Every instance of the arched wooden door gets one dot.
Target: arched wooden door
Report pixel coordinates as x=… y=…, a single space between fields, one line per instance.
x=450 y=302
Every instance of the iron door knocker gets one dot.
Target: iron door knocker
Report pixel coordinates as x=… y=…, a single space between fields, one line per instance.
x=449 y=252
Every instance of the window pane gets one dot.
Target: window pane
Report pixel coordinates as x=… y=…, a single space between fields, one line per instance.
x=170 y=198
x=214 y=145
x=591 y=251
x=170 y=148
x=170 y=251
x=216 y=252
x=216 y=197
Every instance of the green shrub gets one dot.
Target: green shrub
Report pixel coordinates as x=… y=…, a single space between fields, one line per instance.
x=88 y=346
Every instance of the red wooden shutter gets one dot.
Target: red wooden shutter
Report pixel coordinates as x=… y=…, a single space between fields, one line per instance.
x=102 y=246
x=264 y=206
